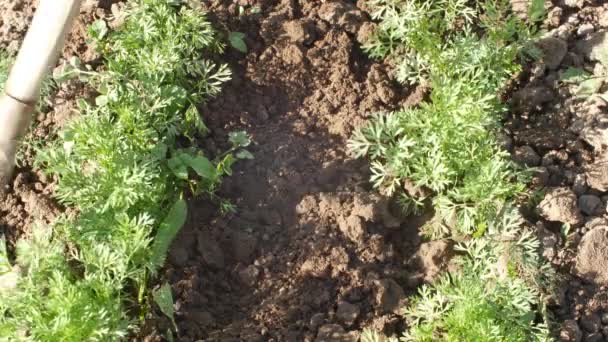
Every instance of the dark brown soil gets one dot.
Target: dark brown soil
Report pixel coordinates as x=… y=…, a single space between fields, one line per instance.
x=310 y=249
x=565 y=136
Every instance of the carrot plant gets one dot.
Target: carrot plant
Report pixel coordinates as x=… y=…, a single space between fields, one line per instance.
x=495 y=295
x=465 y=52
x=448 y=144
x=122 y=167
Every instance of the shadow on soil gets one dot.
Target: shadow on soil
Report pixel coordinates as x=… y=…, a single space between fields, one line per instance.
x=311 y=250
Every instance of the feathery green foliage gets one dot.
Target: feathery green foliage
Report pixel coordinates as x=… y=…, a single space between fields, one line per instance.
x=447 y=144
x=493 y=297
x=464 y=52
x=115 y=167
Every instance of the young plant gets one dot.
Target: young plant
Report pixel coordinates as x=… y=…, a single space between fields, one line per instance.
x=448 y=144
x=118 y=167
x=494 y=296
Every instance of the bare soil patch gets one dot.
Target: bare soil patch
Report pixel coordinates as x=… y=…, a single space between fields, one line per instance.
x=311 y=251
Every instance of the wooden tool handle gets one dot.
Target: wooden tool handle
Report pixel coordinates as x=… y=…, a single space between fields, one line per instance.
x=38 y=54
x=41 y=48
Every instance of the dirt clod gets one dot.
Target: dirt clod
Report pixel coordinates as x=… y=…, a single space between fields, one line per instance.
x=211 y=252
x=526 y=155
x=560 y=204
x=590 y=205
x=554 y=50
x=594 y=47
x=597 y=175
x=570 y=332
x=333 y=333
x=592 y=257
x=591 y=323
x=388 y=295
x=347 y=313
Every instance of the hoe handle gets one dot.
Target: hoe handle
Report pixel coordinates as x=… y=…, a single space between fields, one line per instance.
x=38 y=54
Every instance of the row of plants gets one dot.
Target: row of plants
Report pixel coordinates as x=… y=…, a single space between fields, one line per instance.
x=123 y=168
x=446 y=153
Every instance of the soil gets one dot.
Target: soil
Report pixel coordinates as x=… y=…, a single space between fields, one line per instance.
x=565 y=136
x=311 y=251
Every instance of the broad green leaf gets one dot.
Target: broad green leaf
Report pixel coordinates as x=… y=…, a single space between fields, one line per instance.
x=237 y=41
x=164 y=299
x=179 y=166
x=239 y=139
x=203 y=167
x=574 y=75
x=589 y=87
x=244 y=154
x=98 y=29
x=167 y=231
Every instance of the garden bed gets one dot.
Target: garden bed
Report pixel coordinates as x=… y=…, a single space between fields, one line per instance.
x=312 y=251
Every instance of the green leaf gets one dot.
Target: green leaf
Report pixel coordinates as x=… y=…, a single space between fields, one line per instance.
x=64 y=73
x=203 y=167
x=164 y=299
x=98 y=29
x=237 y=41
x=167 y=231
x=589 y=87
x=193 y=119
x=536 y=12
x=160 y=151
x=565 y=230
x=574 y=75
x=179 y=168
x=224 y=167
x=481 y=230
x=239 y=139
x=244 y=154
